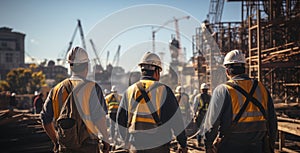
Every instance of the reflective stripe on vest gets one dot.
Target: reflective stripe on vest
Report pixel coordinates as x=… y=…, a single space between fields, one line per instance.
x=113 y=101
x=141 y=115
x=252 y=113
x=60 y=95
x=182 y=101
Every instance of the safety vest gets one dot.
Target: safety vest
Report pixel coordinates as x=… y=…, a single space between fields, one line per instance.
x=113 y=102
x=252 y=114
x=60 y=94
x=182 y=99
x=203 y=101
x=140 y=116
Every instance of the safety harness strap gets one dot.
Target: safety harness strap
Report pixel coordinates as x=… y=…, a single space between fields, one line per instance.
x=149 y=103
x=250 y=98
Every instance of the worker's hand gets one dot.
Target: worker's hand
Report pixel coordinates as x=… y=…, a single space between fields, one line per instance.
x=106 y=147
x=183 y=150
x=55 y=147
x=211 y=150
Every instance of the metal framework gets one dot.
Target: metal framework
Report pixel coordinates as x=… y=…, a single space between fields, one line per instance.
x=269 y=35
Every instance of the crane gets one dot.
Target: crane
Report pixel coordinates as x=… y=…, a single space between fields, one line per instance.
x=215 y=11
x=95 y=52
x=175 y=20
x=73 y=37
x=116 y=57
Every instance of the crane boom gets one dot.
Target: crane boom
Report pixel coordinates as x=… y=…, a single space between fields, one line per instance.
x=78 y=26
x=116 y=57
x=215 y=11
x=95 y=51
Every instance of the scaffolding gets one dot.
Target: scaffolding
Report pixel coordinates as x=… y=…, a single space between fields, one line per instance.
x=269 y=35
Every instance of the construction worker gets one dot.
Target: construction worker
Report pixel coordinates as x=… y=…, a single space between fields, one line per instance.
x=201 y=103
x=149 y=114
x=192 y=97
x=38 y=103
x=89 y=99
x=184 y=105
x=112 y=101
x=241 y=112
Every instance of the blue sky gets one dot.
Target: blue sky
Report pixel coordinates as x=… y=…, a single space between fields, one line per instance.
x=49 y=25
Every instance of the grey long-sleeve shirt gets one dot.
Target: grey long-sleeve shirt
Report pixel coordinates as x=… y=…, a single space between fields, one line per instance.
x=219 y=118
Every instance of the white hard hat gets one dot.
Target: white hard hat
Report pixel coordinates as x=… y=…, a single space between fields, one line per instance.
x=77 y=55
x=179 y=89
x=150 y=61
x=13 y=94
x=234 y=57
x=113 y=89
x=204 y=86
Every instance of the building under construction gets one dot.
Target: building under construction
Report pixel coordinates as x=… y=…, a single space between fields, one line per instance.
x=269 y=35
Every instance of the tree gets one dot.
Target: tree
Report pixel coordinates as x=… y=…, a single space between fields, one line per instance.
x=24 y=80
x=4 y=86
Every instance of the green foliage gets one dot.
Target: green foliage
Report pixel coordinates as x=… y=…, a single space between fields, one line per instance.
x=4 y=86
x=24 y=80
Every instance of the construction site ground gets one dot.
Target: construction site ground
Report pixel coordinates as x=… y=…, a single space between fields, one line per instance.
x=21 y=131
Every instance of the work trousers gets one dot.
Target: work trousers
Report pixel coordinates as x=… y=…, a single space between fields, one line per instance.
x=160 y=149
x=87 y=147
x=255 y=147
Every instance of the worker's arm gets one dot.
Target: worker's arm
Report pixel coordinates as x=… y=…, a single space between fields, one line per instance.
x=172 y=114
x=50 y=130
x=272 y=120
x=212 y=118
x=47 y=120
x=122 y=117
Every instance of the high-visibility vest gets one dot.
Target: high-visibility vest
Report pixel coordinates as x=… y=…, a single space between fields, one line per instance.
x=203 y=101
x=60 y=94
x=183 y=100
x=252 y=119
x=140 y=117
x=113 y=102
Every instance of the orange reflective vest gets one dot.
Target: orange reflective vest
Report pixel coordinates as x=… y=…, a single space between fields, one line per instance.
x=113 y=102
x=252 y=114
x=140 y=117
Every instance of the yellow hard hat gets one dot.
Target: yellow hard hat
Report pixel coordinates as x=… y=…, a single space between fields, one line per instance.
x=150 y=61
x=77 y=55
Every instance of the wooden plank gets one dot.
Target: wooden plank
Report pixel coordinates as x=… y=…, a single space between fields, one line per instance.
x=292 y=128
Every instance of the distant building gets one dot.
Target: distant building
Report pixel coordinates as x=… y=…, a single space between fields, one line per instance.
x=11 y=50
x=53 y=71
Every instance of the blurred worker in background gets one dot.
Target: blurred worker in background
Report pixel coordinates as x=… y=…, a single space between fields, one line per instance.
x=201 y=103
x=184 y=105
x=241 y=112
x=12 y=101
x=149 y=113
x=90 y=102
x=113 y=101
x=38 y=103
x=192 y=97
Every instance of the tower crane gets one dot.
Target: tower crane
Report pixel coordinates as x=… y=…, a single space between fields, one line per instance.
x=175 y=20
